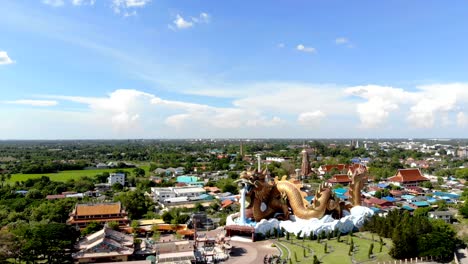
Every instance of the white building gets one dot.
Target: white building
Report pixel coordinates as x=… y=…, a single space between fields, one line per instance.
x=275 y=159
x=116 y=177
x=444 y=215
x=162 y=194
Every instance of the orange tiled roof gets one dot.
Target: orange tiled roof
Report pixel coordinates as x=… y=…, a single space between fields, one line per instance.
x=340 y=178
x=98 y=209
x=408 y=175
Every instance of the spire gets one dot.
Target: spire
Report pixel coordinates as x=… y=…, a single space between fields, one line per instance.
x=241 y=149
x=305 y=168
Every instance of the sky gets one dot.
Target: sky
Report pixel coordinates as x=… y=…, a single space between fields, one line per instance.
x=118 y=69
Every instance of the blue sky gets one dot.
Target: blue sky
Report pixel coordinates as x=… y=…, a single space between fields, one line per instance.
x=190 y=69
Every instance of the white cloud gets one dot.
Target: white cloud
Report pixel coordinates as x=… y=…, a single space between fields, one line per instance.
x=303 y=48
x=202 y=18
x=33 y=102
x=83 y=2
x=53 y=3
x=281 y=45
x=127 y=109
x=462 y=119
x=381 y=101
x=4 y=59
x=341 y=41
x=124 y=5
x=182 y=23
x=311 y=118
x=425 y=107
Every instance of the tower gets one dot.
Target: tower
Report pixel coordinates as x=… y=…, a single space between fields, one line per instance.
x=305 y=168
x=241 y=149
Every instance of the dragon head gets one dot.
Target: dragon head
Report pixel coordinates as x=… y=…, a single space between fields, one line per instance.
x=252 y=179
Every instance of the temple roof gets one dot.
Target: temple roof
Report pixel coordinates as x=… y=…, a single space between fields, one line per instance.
x=98 y=209
x=104 y=243
x=408 y=175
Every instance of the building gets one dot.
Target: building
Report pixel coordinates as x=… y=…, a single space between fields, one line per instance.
x=165 y=193
x=341 y=168
x=443 y=215
x=106 y=245
x=342 y=179
x=462 y=152
x=101 y=213
x=408 y=178
x=375 y=202
x=116 y=178
x=305 y=167
x=275 y=159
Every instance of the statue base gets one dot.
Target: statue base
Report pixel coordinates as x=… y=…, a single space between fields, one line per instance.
x=350 y=221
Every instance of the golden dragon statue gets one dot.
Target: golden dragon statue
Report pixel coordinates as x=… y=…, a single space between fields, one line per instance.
x=283 y=197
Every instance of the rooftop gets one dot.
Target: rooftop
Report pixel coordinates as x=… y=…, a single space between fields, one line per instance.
x=98 y=209
x=408 y=175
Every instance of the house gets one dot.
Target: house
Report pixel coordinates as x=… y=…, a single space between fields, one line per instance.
x=420 y=204
x=116 y=178
x=443 y=215
x=375 y=202
x=168 y=193
x=106 y=245
x=342 y=179
x=101 y=213
x=101 y=166
x=408 y=178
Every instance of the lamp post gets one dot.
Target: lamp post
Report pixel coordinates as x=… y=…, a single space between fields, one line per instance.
x=259 y=160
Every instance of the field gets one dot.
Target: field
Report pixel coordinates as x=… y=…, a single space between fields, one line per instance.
x=64 y=176
x=337 y=252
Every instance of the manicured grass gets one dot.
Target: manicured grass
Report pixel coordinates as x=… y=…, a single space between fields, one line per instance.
x=338 y=251
x=67 y=175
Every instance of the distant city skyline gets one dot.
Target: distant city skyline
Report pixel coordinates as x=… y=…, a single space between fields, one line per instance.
x=118 y=69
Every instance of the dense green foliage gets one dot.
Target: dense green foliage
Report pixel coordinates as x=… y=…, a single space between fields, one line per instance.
x=414 y=236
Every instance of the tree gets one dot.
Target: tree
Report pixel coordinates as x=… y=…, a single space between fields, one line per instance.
x=135 y=227
x=325 y=248
x=316 y=261
x=91 y=228
x=463 y=210
x=371 y=248
x=117 y=187
x=113 y=225
x=199 y=207
x=440 y=180
x=46 y=242
x=135 y=203
x=138 y=172
x=378 y=194
x=427 y=184
x=9 y=246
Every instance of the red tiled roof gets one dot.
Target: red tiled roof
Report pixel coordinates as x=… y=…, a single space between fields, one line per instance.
x=408 y=175
x=356 y=166
x=376 y=201
x=340 y=178
x=396 y=193
x=226 y=203
x=339 y=167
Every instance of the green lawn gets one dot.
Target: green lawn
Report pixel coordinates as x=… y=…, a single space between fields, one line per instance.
x=338 y=251
x=67 y=175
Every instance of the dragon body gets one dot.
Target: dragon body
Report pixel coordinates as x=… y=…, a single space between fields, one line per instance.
x=283 y=197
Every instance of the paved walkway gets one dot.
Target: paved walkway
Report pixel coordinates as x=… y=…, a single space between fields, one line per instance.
x=462 y=255
x=249 y=252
